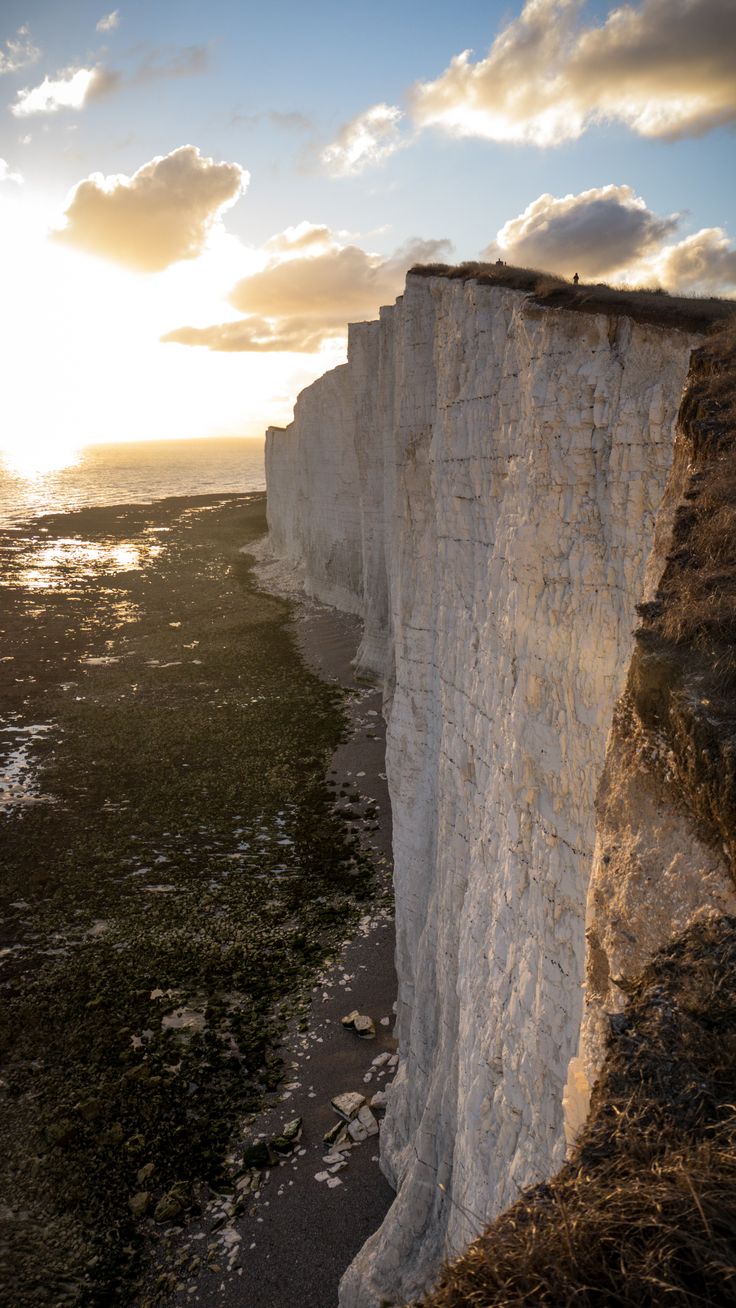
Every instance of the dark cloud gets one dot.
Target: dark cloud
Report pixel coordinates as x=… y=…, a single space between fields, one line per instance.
x=596 y=233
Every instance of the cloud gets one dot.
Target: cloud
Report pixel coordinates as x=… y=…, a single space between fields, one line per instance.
x=665 y=68
x=340 y=282
x=73 y=88
x=704 y=263
x=290 y=121
x=18 y=52
x=311 y=286
x=170 y=62
x=596 y=233
x=609 y=233
x=70 y=89
x=162 y=214
x=7 y=176
x=312 y=237
x=258 y=335
x=109 y=22
x=365 y=140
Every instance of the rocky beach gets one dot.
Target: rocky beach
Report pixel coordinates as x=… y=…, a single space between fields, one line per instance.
x=196 y=845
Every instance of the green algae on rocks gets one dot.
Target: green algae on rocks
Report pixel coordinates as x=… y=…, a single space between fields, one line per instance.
x=174 y=874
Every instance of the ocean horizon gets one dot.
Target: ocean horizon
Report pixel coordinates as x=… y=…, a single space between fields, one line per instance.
x=133 y=472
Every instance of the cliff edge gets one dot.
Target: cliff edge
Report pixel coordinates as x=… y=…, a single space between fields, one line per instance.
x=493 y=483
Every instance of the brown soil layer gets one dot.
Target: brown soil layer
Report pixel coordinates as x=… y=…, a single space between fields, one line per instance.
x=682 y=683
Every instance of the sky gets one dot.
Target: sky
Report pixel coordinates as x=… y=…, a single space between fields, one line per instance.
x=195 y=199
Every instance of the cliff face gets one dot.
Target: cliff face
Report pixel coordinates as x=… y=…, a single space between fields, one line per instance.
x=481 y=483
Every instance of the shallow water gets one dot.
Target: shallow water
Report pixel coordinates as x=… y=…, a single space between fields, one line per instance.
x=132 y=473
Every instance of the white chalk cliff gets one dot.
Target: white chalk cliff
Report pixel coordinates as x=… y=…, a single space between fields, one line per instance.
x=480 y=482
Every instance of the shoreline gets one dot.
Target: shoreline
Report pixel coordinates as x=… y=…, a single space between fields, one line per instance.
x=174 y=878
x=299 y=1235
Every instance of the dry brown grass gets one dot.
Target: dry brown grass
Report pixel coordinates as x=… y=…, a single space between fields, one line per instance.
x=643 y=304
x=644 y=1214
x=696 y=602
x=682 y=681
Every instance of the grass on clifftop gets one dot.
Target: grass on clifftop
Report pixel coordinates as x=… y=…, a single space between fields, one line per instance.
x=644 y=1214
x=647 y=305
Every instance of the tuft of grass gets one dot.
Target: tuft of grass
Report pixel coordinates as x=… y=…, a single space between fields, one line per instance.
x=644 y=304
x=644 y=1213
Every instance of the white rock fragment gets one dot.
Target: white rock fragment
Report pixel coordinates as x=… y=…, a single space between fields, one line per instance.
x=357 y=1132
x=348 y=1105
x=368 y=1121
x=364 y=1027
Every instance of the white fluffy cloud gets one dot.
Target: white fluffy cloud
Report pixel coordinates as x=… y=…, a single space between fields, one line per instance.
x=310 y=287
x=6 y=175
x=704 y=263
x=596 y=233
x=70 y=89
x=337 y=282
x=109 y=22
x=74 y=88
x=259 y=336
x=18 y=52
x=665 y=68
x=162 y=214
x=367 y=139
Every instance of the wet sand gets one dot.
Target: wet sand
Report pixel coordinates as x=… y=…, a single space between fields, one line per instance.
x=178 y=864
x=297 y=1238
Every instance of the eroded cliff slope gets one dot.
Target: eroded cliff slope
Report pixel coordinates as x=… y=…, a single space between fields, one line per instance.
x=481 y=483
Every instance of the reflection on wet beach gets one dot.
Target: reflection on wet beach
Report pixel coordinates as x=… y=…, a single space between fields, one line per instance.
x=60 y=564
x=175 y=868
x=19 y=781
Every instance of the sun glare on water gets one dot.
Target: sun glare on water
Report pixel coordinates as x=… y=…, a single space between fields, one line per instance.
x=35 y=460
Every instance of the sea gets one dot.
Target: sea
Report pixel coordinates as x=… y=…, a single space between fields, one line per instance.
x=132 y=473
